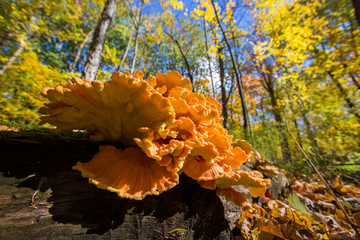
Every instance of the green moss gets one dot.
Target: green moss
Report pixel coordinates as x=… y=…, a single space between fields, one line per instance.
x=33 y=131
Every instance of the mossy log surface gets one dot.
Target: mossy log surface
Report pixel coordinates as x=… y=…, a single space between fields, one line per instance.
x=41 y=197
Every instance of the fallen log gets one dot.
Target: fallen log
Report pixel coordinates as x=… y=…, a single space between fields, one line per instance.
x=41 y=197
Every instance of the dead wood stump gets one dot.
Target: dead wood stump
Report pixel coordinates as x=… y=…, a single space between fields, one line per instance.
x=41 y=197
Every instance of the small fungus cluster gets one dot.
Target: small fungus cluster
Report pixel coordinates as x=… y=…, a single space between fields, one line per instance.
x=168 y=130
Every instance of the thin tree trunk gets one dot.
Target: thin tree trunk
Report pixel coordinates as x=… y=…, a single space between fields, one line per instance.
x=209 y=60
x=231 y=122
x=98 y=41
x=356 y=5
x=268 y=84
x=238 y=78
x=135 y=50
x=350 y=104
x=296 y=125
x=187 y=65
x=126 y=50
x=137 y=23
x=262 y=116
x=357 y=84
x=285 y=148
x=223 y=90
x=319 y=153
x=82 y=45
x=11 y=59
x=311 y=136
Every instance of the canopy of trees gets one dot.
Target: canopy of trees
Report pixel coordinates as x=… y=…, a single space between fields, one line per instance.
x=264 y=60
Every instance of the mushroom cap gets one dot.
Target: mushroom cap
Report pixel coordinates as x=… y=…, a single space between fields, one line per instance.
x=167 y=152
x=234 y=196
x=252 y=180
x=244 y=145
x=236 y=158
x=195 y=106
x=129 y=173
x=113 y=111
x=198 y=169
x=170 y=80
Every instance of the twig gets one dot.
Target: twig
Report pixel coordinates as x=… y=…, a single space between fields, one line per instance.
x=33 y=199
x=347 y=216
x=42 y=181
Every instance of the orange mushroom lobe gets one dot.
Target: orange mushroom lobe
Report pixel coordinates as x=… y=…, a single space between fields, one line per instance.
x=129 y=173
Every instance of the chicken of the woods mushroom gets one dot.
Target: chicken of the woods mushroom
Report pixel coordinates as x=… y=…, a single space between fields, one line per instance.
x=167 y=130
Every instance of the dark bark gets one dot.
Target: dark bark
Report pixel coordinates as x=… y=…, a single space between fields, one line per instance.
x=356 y=5
x=223 y=90
x=238 y=78
x=43 y=198
x=82 y=45
x=187 y=65
x=97 y=45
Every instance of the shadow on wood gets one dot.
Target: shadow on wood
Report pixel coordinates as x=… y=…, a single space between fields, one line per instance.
x=79 y=210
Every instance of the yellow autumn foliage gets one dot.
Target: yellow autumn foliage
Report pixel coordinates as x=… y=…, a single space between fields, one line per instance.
x=21 y=86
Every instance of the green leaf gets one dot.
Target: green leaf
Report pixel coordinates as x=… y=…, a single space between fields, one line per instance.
x=297 y=204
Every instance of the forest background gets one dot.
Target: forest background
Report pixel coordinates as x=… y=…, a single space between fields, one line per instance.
x=264 y=60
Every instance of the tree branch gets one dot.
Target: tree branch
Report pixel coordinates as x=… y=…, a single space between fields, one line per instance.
x=86 y=40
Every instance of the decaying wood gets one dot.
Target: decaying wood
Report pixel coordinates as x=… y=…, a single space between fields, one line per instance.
x=41 y=197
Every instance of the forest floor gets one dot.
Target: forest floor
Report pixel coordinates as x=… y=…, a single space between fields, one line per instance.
x=296 y=206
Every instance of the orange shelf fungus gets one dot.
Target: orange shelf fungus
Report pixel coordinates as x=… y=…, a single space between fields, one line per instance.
x=167 y=129
x=112 y=111
x=129 y=173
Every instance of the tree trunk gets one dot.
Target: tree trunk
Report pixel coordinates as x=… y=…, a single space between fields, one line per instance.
x=318 y=152
x=98 y=41
x=43 y=198
x=209 y=60
x=238 y=78
x=298 y=133
x=137 y=23
x=126 y=50
x=11 y=59
x=223 y=90
x=356 y=83
x=82 y=45
x=135 y=51
x=350 y=104
x=356 y=5
x=285 y=148
x=187 y=65
x=335 y=80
